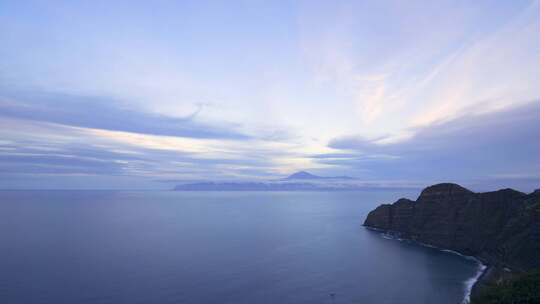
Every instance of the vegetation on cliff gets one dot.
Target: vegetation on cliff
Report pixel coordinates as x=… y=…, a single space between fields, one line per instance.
x=523 y=289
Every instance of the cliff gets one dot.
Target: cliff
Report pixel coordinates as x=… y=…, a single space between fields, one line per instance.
x=501 y=228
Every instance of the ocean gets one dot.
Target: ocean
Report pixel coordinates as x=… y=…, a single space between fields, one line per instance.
x=93 y=247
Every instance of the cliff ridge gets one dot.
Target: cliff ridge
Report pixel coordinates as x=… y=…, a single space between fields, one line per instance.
x=500 y=228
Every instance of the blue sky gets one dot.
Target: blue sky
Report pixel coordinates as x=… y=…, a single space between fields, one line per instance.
x=129 y=94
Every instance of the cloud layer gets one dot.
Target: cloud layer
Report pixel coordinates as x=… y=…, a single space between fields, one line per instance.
x=113 y=94
x=471 y=148
x=107 y=114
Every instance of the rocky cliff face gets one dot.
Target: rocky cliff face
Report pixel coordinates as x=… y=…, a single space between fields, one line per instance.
x=501 y=228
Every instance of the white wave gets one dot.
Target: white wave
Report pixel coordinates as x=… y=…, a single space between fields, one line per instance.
x=469 y=284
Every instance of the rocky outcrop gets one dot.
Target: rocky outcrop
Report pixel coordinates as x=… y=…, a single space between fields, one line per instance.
x=500 y=228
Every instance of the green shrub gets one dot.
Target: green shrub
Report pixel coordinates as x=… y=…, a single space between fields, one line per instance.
x=524 y=289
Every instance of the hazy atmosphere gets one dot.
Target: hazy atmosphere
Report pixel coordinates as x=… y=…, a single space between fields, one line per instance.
x=142 y=95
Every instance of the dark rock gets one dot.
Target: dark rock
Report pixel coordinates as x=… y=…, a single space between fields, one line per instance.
x=445 y=191
x=501 y=228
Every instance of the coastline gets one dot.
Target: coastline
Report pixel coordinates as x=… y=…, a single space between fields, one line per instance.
x=470 y=284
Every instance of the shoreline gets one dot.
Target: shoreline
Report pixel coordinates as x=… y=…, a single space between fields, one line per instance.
x=470 y=283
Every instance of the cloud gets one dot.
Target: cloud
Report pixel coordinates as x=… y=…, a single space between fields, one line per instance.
x=107 y=114
x=180 y=98
x=31 y=156
x=472 y=147
x=35 y=150
x=427 y=65
x=494 y=71
x=57 y=164
x=333 y=156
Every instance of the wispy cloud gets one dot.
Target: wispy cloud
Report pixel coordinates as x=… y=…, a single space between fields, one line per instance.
x=427 y=67
x=39 y=149
x=107 y=114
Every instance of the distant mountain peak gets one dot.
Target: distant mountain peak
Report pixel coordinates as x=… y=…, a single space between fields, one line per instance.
x=303 y=175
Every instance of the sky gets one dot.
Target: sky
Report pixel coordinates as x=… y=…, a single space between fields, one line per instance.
x=146 y=94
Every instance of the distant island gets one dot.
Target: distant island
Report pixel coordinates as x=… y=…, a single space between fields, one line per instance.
x=501 y=229
x=304 y=175
x=299 y=181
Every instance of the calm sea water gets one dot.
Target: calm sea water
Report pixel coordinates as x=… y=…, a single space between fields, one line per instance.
x=94 y=247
